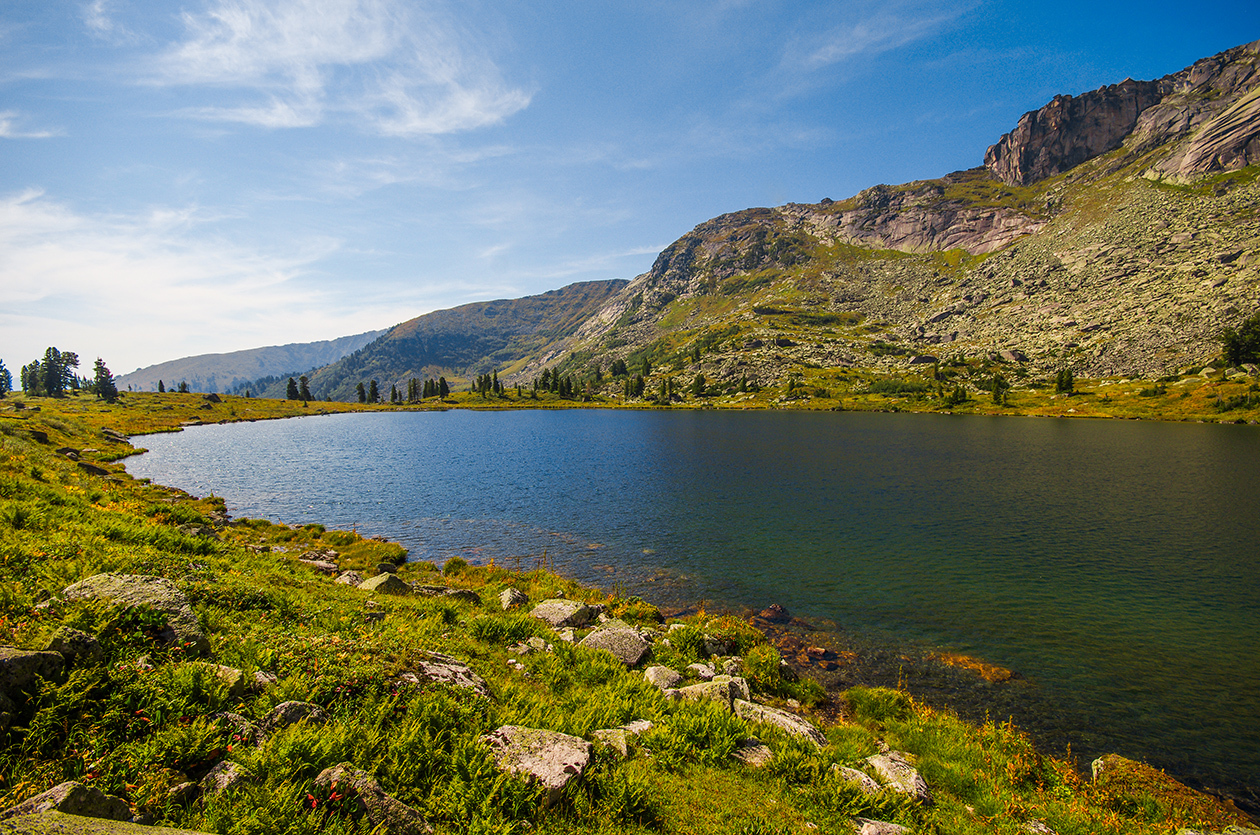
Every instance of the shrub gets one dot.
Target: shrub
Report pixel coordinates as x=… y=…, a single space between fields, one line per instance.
x=454 y=566
x=879 y=704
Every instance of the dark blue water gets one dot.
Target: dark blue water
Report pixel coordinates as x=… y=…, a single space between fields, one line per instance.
x=1114 y=564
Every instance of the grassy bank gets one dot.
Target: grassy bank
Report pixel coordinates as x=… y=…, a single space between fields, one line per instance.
x=150 y=717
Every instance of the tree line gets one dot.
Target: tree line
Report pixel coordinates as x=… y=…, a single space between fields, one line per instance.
x=54 y=376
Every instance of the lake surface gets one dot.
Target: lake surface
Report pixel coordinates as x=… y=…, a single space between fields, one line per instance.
x=1115 y=565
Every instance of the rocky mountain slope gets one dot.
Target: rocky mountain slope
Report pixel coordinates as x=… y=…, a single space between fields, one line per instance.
x=465 y=341
x=222 y=372
x=1114 y=232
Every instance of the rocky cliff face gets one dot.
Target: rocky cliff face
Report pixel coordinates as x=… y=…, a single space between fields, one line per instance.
x=1209 y=110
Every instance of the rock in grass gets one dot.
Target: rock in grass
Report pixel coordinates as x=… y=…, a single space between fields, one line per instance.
x=511 y=598
x=615 y=739
x=866 y=826
x=78 y=648
x=385 y=584
x=350 y=578
x=551 y=758
x=723 y=689
x=20 y=667
x=464 y=595
x=290 y=713
x=662 y=677
x=59 y=823
x=136 y=591
x=224 y=776
x=363 y=796
x=753 y=753
x=559 y=613
x=862 y=781
x=899 y=775
x=626 y=645
x=790 y=722
x=706 y=672
x=447 y=670
x=72 y=799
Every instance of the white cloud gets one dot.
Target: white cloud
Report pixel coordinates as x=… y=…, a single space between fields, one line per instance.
x=889 y=27
x=98 y=17
x=143 y=289
x=394 y=68
x=9 y=129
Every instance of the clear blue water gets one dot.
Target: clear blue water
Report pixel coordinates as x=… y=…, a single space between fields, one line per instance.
x=1114 y=564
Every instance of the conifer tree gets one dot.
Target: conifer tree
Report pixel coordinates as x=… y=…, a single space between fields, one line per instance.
x=304 y=390
x=362 y=392
x=291 y=393
x=443 y=389
x=161 y=387
x=103 y=382
x=183 y=387
x=6 y=380
x=374 y=392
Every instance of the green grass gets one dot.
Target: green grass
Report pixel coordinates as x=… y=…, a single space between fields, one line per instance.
x=136 y=730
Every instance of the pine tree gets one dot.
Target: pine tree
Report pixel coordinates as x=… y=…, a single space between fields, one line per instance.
x=647 y=367
x=161 y=387
x=362 y=392
x=697 y=385
x=291 y=393
x=304 y=390
x=443 y=389
x=103 y=382
x=6 y=380
x=374 y=392
x=183 y=387
x=393 y=393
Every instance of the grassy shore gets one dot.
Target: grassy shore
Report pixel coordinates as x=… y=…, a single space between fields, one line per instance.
x=136 y=729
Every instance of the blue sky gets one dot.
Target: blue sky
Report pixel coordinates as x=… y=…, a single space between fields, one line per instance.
x=200 y=176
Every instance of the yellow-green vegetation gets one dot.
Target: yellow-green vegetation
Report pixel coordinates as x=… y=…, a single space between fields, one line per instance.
x=150 y=717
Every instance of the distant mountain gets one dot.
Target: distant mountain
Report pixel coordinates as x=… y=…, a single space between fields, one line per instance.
x=222 y=372
x=1116 y=233
x=465 y=341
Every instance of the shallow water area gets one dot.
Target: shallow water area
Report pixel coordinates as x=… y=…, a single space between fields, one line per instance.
x=1112 y=564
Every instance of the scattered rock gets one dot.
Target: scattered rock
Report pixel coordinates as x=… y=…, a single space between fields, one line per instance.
x=73 y=799
x=386 y=814
x=553 y=759
x=20 y=667
x=224 y=776
x=1036 y=827
x=385 y=584
x=723 y=689
x=567 y=634
x=558 y=613
x=704 y=671
x=465 y=595
x=752 y=752
x=866 y=826
x=733 y=666
x=242 y=729
x=231 y=677
x=511 y=598
x=447 y=670
x=350 y=578
x=155 y=593
x=290 y=713
x=92 y=469
x=322 y=566
x=864 y=782
x=717 y=645
x=626 y=644
x=781 y=719
x=79 y=649
x=386 y=568
x=662 y=677
x=615 y=738
x=900 y=775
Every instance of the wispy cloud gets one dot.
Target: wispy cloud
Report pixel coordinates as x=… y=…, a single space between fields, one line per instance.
x=395 y=68
x=9 y=121
x=99 y=19
x=871 y=31
x=140 y=289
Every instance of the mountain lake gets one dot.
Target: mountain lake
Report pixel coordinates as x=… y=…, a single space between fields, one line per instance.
x=1114 y=566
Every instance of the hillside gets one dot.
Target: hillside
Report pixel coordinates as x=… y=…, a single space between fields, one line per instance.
x=464 y=341
x=223 y=372
x=1114 y=233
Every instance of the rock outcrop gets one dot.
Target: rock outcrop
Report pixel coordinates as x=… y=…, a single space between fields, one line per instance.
x=900 y=775
x=155 y=593
x=625 y=644
x=72 y=799
x=559 y=613
x=551 y=758
x=365 y=798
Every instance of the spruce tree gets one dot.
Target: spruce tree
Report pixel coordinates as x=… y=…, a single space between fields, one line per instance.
x=362 y=392
x=374 y=392
x=161 y=387
x=183 y=387
x=443 y=389
x=291 y=393
x=103 y=382
x=304 y=390
x=6 y=380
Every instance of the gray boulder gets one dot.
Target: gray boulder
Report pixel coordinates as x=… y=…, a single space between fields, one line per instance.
x=559 y=613
x=465 y=595
x=447 y=670
x=511 y=598
x=290 y=713
x=864 y=782
x=20 y=667
x=72 y=799
x=662 y=677
x=551 y=758
x=624 y=643
x=223 y=777
x=59 y=823
x=866 y=826
x=386 y=814
x=386 y=568
x=385 y=584
x=615 y=739
x=78 y=648
x=722 y=689
x=899 y=775
x=706 y=672
x=351 y=578
x=753 y=753
x=780 y=719
x=155 y=593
